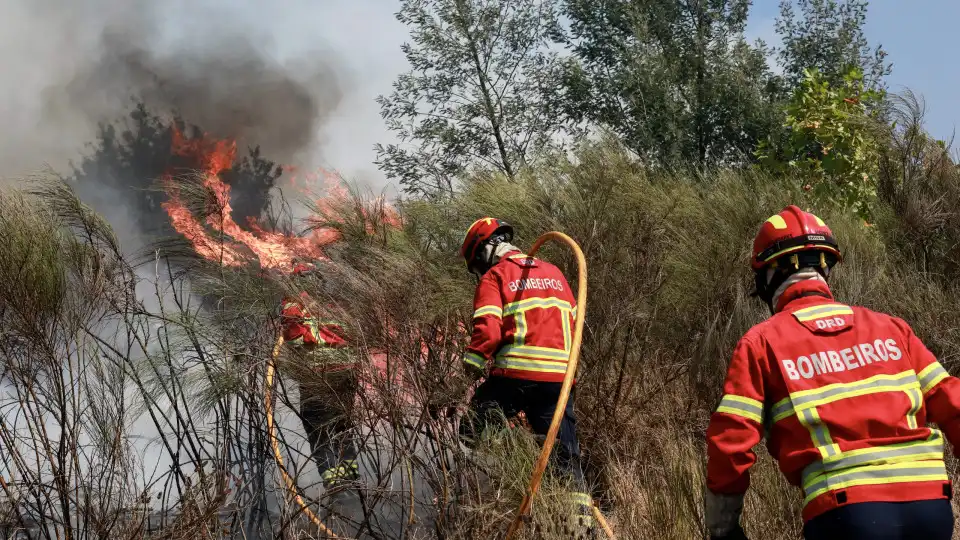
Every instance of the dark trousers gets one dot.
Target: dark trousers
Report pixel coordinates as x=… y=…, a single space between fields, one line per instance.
x=326 y=409
x=537 y=400
x=920 y=520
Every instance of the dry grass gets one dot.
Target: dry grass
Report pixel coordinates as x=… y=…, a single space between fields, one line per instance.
x=668 y=300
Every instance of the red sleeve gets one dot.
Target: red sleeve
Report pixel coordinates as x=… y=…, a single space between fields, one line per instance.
x=300 y=327
x=941 y=391
x=293 y=319
x=736 y=426
x=487 y=322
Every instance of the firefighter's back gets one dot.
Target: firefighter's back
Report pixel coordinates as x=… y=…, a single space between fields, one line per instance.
x=846 y=410
x=538 y=314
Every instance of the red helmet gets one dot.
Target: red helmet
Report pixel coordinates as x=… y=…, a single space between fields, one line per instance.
x=479 y=232
x=791 y=231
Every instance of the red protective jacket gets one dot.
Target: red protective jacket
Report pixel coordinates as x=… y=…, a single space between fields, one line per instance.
x=302 y=328
x=844 y=395
x=522 y=320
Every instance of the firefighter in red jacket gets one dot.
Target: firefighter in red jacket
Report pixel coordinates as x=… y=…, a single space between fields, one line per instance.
x=843 y=395
x=326 y=372
x=523 y=324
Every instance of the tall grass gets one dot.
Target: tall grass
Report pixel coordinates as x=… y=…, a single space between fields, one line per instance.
x=87 y=361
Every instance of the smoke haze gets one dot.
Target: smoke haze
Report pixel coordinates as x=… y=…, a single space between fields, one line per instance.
x=71 y=64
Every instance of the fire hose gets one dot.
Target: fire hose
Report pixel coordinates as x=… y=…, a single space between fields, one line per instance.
x=275 y=443
x=543 y=459
x=551 y=439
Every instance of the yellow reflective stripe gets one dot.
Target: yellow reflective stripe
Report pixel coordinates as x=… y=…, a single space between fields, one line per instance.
x=567 y=331
x=810 y=418
x=289 y=305
x=782 y=409
x=474 y=360
x=581 y=498
x=346 y=470
x=901 y=382
x=520 y=324
x=821 y=311
x=744 y=407
x=778 y=222
x=888 y=473
x=534 y=303
x=532 y=351
x=916 y=401
x=496 y=311
x=527 y=364
x=837 y=391
x=930 y=448
x=931 y=376
x=783 y=252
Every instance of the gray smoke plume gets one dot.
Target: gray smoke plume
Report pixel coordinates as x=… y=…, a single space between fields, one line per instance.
x=70 y=64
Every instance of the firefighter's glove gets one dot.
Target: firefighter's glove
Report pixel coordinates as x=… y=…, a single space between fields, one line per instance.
x=722 y=513
x=473 y=374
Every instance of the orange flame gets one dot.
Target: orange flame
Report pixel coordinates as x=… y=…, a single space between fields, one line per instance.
x=273 y=250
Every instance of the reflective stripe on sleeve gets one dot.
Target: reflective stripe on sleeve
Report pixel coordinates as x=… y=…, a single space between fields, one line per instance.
x=931 y=376
x=743 y=407
x=475 y=360
x=488 y=310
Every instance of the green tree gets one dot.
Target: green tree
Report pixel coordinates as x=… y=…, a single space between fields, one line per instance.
x=675 y=79
x=827 y=35
x=477 y=95
x=829 y=140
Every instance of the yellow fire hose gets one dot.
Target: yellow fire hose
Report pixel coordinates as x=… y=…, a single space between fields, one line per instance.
x=542 y=461
x=551 y=438
x=272 y=430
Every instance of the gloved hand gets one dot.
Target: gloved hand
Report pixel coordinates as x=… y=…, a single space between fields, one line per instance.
x=735 y=534
x=722 y=513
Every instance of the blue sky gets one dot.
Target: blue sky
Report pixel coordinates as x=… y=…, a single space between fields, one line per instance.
x=922 y=42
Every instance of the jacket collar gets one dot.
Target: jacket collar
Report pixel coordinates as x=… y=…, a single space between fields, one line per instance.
x=805 y=293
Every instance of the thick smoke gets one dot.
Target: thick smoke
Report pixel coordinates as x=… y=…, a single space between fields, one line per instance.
x=70 y=65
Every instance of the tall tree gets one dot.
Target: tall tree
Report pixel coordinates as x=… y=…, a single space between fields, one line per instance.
x=478 y=92
x=827 y=35
x=675 y=79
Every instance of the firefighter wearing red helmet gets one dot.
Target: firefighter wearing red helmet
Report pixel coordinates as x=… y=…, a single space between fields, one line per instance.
x=325 y=367
x=523 y=324
x=843 y=395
